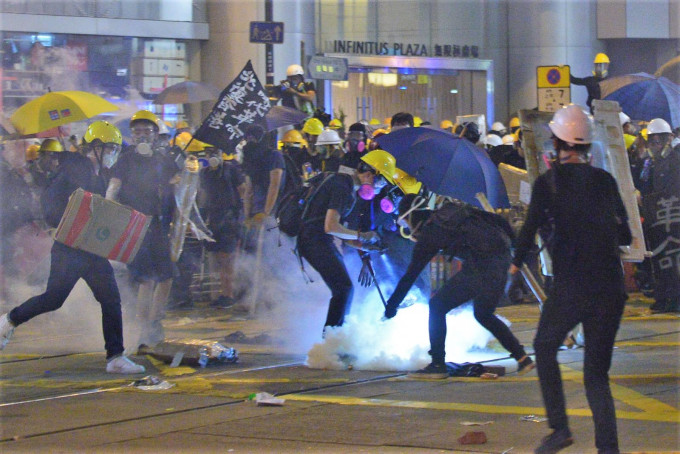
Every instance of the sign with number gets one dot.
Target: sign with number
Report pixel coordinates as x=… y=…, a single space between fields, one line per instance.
x=266 y=32
x=328 y=68
x=554 y=88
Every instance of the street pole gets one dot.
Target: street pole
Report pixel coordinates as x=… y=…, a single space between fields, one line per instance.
x=269 y=48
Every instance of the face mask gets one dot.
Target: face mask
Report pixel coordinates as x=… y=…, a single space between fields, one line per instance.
x=214 y=162
x=109 y=160
x=366 y=192
x=144 y=149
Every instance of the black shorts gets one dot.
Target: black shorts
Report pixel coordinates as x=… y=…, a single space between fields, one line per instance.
x=226 y=235
x=152 y=261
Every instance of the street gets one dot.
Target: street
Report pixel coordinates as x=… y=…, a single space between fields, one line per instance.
x=58 y=398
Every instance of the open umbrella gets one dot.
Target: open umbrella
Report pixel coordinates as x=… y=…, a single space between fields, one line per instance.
x=284 y=116
x=187 y=92
x=644 y=97
x=446 y=164
x=58 y=108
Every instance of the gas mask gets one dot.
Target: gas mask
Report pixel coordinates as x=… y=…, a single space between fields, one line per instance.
x=366 y=191
x=144 y=149
x=214 y=162
x=355 y=142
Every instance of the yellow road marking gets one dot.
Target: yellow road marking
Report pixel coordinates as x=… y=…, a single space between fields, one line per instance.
x=647 y=344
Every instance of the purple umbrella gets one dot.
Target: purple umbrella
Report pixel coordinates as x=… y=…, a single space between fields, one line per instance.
x=284 y=116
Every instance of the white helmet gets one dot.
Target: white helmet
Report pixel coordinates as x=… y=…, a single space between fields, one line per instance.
x=658 y=126
x=497 y=126
x=508 y=139
x=572 y=124
x=623 y=118
x=295 y=70
x=328 y=137
x=492 y=140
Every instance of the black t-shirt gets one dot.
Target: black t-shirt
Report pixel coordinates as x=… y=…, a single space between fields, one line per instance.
x=592 y=84
x=258 y=162
x=590 y=223
x=337 y=193
x=145 y=182
x=290 y=100
x=221 y=189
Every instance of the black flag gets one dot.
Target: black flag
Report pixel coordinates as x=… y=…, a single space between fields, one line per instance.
x=242 y=103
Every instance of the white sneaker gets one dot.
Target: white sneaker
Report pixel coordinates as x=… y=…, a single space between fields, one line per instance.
x=6 y=330
x=123 y=365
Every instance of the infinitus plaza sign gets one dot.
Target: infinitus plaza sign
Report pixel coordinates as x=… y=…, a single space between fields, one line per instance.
x=405 y=49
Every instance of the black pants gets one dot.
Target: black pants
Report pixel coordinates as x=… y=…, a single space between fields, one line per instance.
x=600 y=317
x=318 y=249
x=483 y=282
x=67 y=266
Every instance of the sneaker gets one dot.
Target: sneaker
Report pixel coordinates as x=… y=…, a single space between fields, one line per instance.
x=123 y=365
x=6 y=330
x=524 y=365
x=555 y=442
x=433 y=371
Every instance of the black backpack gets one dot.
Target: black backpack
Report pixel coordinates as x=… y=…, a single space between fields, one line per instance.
x=292 y=210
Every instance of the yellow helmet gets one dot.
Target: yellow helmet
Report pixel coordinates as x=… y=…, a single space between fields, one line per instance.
x=379 y=132
x=446 y=124
x=601 y=58
x=383 y=162
x=387 y=121
x=417 y=121
x=374 y=121
x=104 y=131
x=228 y=156
x=32 y=152
x=643 y=133
x=407 y=183
x=313 y=126
x=145 y=115
x=182 y=124
x=514 y=122
x=335 y=124
x=293 y=136
x=196 y=146
x=629 y=140
x=181 y=140
x=51 y=145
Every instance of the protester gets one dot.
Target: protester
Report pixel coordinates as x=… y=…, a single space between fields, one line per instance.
x=446 y=125
x=498 y=129
x=331 y=204
x=295 y=155
x=514 y=125
x=401 y=120
x=223 y=188
x=311 y=129
x=329 y=148
x=263 y=167
x=660 y=190
x=469 y=235
x=67 y=264
x=590 y=222
x=144 y=181
x=297 y=93
x=592 y=83
x=355 y=145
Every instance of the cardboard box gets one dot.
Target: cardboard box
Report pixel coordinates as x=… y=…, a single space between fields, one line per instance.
x=102 y=227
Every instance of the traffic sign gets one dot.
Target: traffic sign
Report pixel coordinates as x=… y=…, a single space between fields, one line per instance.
x=554 y=87
x=328 y=68
x=266 y=32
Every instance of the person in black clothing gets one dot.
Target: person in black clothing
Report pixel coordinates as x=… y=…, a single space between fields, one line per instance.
x=297 y=93
x=68 y=265
x=466 y=233
x=589 y=222
x=592 y=83
x=333 y=202
x=222 y=191
x=144 y=181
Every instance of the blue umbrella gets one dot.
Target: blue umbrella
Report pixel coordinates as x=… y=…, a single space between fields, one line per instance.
x=284 y=116
x=446 y=164
x=644 y=97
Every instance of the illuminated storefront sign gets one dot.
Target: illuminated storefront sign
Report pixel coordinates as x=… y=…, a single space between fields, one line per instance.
x=403 y=49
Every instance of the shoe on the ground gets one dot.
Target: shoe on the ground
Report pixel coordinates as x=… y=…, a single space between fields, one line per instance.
x=524 y=365
x=6 y=330
x=555 y=442
x=123 y=365
x=223 y=302
x=435 y=371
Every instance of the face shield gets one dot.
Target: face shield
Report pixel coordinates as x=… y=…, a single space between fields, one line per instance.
x=143 y=132
x=110 y=153
x=601 y=69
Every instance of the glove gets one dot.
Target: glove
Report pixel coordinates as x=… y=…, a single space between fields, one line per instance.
x=365 y=278
x=369 y=237
x=301 y=87
x=390 y=311
x=285 y=85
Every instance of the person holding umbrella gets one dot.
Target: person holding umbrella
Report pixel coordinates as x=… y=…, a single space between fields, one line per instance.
x=584 y=208
x=68 y=265
x=482 y=242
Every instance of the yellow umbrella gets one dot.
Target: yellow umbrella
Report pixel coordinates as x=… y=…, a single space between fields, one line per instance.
x=58 y=108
